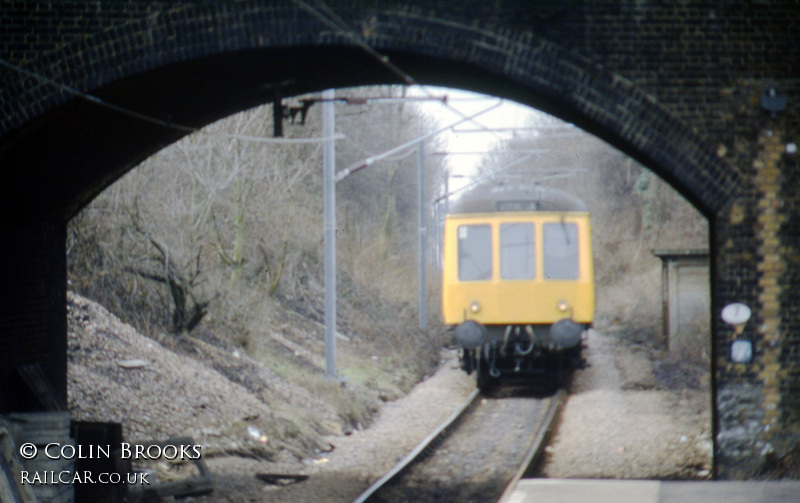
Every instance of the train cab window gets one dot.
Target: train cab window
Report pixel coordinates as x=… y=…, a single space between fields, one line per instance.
x=517 y=251
x=474 y=252
x=560 y=251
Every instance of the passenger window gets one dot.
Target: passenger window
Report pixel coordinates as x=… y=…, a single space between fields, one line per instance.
x=517 y=251
x=560 y=251
x=474 y=252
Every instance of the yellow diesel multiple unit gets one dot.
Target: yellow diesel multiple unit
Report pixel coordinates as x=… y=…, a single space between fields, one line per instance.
x=518 y=278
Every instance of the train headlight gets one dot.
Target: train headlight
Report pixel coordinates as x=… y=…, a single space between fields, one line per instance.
x=474 y=306
x=563 y=306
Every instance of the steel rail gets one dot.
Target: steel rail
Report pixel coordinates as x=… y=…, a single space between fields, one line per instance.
x=544 y=430
x=414 y=454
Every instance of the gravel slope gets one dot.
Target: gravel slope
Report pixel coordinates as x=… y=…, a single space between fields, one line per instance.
x=116 y=374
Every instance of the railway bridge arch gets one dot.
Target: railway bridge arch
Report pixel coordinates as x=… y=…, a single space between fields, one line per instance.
x=703 y=93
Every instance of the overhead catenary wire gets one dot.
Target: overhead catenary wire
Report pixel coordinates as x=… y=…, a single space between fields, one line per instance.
x=329 y=18
x=551 y=176
x=323 y=13
x=398 y=157
x=94 y=99
x=371 y=160
x=337 y=23
x=341 y=27
x=332 y=20
x=510 y=150
x=153 y=120
x=194 y=130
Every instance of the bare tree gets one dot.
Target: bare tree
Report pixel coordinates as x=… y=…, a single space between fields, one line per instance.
x=210 y=224
x=182 y=281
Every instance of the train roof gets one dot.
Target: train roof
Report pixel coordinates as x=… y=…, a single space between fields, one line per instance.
x=491 y=197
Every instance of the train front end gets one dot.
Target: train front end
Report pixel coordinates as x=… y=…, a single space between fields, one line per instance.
x=518 y=280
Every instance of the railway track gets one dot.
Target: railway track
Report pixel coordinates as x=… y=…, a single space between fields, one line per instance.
x=478 y=454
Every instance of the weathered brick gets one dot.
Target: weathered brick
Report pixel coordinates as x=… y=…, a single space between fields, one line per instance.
x=675 y=84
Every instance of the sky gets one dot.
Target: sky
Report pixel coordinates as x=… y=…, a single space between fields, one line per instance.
x=471 y=136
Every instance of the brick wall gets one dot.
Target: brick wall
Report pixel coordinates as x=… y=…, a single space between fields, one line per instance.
x=677 y=85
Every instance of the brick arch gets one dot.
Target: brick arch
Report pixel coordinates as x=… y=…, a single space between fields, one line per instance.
x=194 y=65
x=670 y=83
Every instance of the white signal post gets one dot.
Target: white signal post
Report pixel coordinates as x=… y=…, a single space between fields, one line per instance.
x=423 y=311
x=329 y=171
x=330 y=179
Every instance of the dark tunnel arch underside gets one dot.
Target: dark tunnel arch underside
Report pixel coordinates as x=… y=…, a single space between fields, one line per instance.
x=89 y=145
